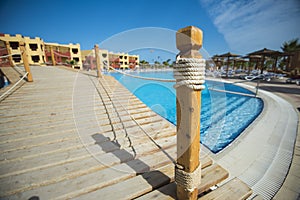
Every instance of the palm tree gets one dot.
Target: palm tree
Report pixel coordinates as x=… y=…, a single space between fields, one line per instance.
x=291 y=46
x=156 y=62
x=144 y=62
x=166 y=63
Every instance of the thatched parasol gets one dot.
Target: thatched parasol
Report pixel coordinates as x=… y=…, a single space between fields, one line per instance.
x=228 y=56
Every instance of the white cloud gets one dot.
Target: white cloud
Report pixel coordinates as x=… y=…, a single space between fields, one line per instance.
x=249 y=25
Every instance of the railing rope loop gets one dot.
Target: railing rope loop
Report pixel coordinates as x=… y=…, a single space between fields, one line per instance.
x=190 y=72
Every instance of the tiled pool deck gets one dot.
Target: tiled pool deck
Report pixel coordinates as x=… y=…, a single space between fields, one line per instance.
x=261 y=155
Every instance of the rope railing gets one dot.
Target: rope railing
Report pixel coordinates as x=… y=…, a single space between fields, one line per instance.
x=195 y=74
x=10 y=89
x=237 y=82
x=5 y=56
x=109 y=117
x=62 y=55
x=4 y=61
x=139 y=125
x=144 y=78
x=2 y=48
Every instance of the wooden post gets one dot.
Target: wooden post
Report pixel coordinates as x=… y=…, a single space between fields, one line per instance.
x=96 y=48
x=52 y=56
x=188 y=41
x=25 y=61
x=262 y=64
x=9 y=53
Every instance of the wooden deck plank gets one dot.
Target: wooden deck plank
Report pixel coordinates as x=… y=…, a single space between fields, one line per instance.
x=210 y=176
x=139 y=185
x=74 y=165
x=57 y=141
x=79 y=183
x=234 y=189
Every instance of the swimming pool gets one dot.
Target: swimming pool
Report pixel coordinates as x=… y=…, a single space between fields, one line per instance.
x=224 y=116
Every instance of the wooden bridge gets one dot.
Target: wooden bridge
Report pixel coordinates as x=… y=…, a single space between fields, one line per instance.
x=71 y=135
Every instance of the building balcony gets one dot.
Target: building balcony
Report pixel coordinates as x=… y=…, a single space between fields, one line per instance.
x=114 y=59
x=132 y=60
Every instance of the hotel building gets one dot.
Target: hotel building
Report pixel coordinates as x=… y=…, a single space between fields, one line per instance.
x=38 y=51
x=115 y=60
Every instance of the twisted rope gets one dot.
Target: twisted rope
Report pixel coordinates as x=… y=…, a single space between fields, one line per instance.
x=10 y=89
x=144 y=78
x=10 y=55
x=187 y=180
x=61 y=55
x=190 y=72
x=4 y=61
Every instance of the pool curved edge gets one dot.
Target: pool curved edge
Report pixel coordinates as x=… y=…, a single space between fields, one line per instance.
x=263 y=152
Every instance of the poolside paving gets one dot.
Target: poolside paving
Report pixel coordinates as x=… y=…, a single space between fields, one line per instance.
x=290 y=92
x=262 y=155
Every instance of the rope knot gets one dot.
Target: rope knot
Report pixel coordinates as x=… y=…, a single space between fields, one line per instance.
x=190 y=72
x=189 y=181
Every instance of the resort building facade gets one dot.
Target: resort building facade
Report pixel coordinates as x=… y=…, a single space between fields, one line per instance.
x=89 y=61
x=63 y=54
x=38 y=52
x=123 y=60
x=10 y=45
x=115 y=60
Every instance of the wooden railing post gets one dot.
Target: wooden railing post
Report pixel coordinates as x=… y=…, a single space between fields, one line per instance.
x=9 y=53
x=52 y=56
x=188 y=102
x=96 y=48
x=25 y=61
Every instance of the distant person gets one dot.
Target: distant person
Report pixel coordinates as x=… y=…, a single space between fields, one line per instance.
x=2 y=79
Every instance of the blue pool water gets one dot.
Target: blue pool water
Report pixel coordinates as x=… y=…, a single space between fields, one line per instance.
x=223 y=115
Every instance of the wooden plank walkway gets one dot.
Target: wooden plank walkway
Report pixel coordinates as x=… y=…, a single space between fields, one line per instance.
x=68 y=135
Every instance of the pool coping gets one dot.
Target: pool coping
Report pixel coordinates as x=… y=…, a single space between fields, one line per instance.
x=264 y=166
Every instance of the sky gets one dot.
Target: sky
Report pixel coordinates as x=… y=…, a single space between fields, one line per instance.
x=148 y=27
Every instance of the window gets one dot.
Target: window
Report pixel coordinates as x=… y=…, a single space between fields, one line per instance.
x=76 y=59
x=35 y=59
x=17 y=57
x=42 y=47
x=104 y=55
x=125 y=63
x=121 y=57
x=74 y=50
x=33 y=47
x=14 y=45
x=125 y=57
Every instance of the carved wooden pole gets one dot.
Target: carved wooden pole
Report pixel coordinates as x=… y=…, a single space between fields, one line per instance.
x=96 y=48
x=25 y=61
x=188 y=169
x=9 y=53
x=52 y=56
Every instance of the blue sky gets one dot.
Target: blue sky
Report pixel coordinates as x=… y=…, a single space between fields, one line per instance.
x=239 y=26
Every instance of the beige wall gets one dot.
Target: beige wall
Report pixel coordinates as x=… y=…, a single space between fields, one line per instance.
x=125 y=59
x=76 y=53
x=35 y=49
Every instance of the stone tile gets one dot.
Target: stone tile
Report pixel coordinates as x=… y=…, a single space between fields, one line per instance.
x=295 y=170
x=286 y=193
x=292 y=183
